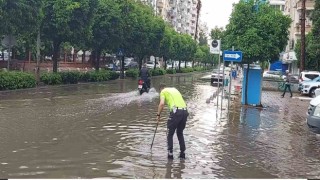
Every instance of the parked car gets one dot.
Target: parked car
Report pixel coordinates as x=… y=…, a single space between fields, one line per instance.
x=309 y=87
x=150 y=65
x=313 y=113
x=272 y=74
x=217 y=77
x=308 y=75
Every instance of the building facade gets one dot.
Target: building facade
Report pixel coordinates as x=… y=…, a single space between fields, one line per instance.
x=293 y=9
x=278 y=4
x=181 y=14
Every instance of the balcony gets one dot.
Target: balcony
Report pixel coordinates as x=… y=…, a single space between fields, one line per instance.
x=309 y=5
x=298 y=29
x=160 y=4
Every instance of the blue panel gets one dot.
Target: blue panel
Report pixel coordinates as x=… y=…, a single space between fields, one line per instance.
x=276 y=66
x=254 y=86
x=284 y=68
x=235 y=56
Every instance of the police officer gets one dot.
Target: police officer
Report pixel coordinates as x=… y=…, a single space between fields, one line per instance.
x=177 y=119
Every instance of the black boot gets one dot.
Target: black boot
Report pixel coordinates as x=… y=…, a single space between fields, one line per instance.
x=170 y=155
x=182 y=155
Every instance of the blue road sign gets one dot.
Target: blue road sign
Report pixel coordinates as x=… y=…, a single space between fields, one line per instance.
x=235 y=56
x=120 y=52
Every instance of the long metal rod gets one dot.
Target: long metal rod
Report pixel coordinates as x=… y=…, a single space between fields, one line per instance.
x=219 y=64
x=230 y=84
x=223 y=83
x=154 y=134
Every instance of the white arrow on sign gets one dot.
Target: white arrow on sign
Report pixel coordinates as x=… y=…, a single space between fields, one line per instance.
x=235 y=56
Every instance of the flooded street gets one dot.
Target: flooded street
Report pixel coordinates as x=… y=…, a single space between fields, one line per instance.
x=105 y=131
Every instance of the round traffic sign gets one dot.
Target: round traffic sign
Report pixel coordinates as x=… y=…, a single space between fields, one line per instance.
x=215 y=43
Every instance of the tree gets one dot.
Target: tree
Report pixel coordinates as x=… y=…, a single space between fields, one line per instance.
x=217 y=33
x=67 y=21
x=312 y=61
x=21 y=19
x=143 y=31
x=166 y=44
x=106 y=29
x=19 y=16
x=261 y=35
x=203 y=39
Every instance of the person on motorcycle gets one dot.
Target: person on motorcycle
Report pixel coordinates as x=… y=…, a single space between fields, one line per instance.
x=145 y=75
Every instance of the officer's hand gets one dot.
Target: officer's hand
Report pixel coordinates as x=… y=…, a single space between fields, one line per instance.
x=158 y=119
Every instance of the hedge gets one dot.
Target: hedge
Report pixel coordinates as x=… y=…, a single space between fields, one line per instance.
x=157 y=72
x=75 y=77
x=171 y=71
x=16 y=80
x=132 y=73
x=185 y=70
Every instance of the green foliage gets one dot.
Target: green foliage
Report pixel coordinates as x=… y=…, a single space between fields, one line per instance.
x=312 y=43
x=171 y=71
x=70 y=77
x=132 y=73
x=199 y=68
x=16 y=80
x=312 y=61
x=114 y=75
x=158 y=72
x=98 y=76
x=51 y=78
x=260 y=35
x=84 y=77
x=185 y=70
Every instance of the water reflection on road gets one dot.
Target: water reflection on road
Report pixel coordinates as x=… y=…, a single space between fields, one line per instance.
x=105 y=131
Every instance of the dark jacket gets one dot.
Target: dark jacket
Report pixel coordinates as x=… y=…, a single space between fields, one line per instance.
x=144 y=73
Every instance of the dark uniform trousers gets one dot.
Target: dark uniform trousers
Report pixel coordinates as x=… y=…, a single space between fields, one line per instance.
x=177 y=121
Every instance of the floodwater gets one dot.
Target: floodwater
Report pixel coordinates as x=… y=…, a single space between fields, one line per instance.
x=105 y=130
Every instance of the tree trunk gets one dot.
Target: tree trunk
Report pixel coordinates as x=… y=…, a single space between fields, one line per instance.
x=192 y=63
x=97 y=55
x=172 y=64
x=185 y=64
x=165 y=63
x=155 y=63
x=74 y=56
x=56 y=54
x=83 y=56
x=140 y=63
x=246 y=92
x=179 y=65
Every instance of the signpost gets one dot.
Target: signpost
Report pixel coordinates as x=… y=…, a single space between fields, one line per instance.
x=215 y=49
x=232 y=56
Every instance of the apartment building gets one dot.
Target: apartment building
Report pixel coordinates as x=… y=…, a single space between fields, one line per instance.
x=181 y=14
x=278 y=4
x=293 y=9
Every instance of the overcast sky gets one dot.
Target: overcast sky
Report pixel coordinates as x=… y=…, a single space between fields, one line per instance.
x=216 y=12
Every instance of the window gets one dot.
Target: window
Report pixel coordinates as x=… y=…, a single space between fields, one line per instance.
x=311 y=76
x=316 y=111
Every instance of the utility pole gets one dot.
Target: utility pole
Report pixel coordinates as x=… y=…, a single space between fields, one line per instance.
x=303 y=35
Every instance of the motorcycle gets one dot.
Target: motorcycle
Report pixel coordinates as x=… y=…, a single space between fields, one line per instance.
x=142 y=87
